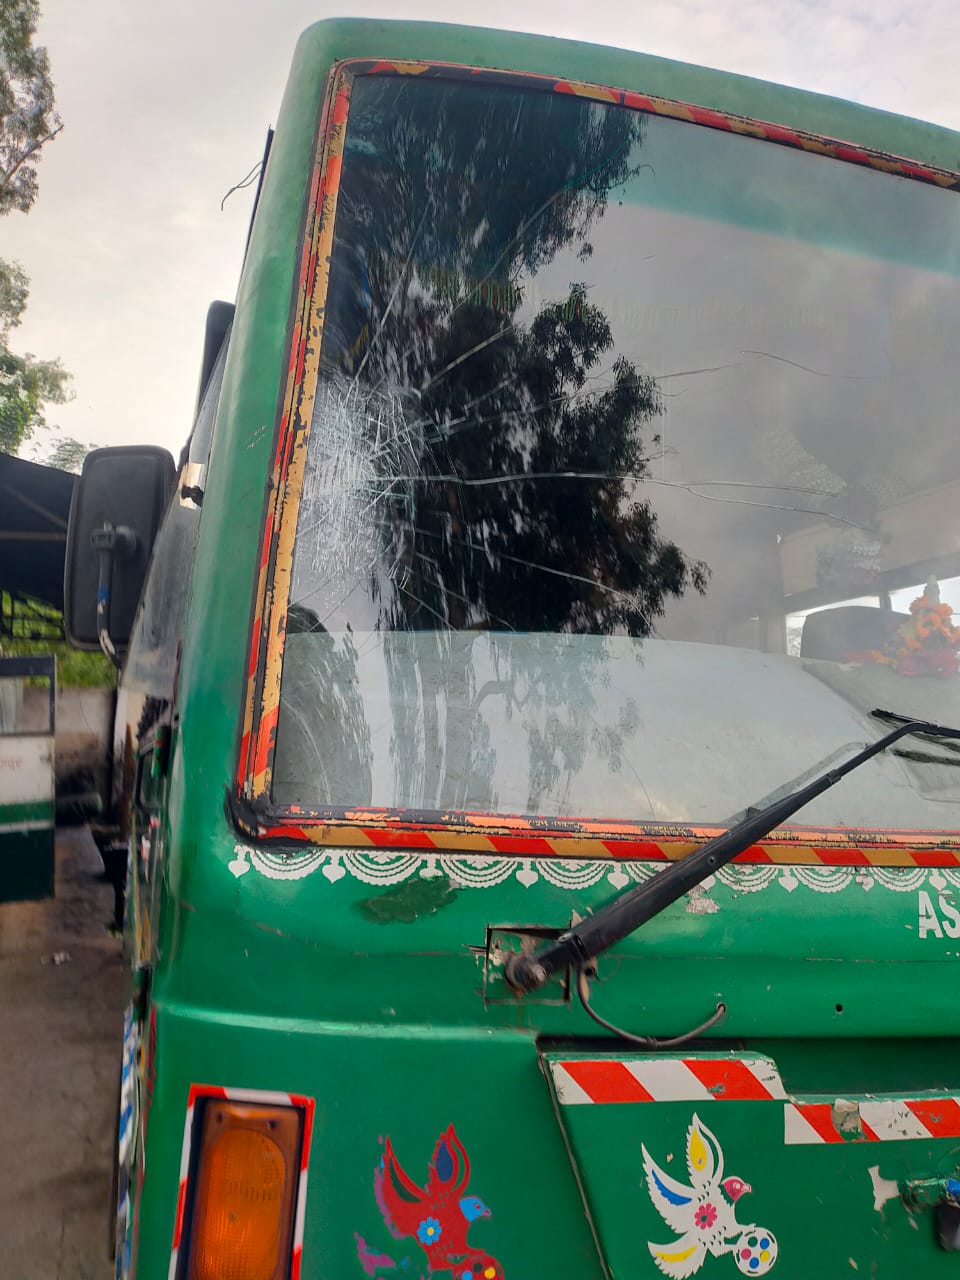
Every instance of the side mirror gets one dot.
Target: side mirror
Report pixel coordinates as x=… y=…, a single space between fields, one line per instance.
x=118 y=503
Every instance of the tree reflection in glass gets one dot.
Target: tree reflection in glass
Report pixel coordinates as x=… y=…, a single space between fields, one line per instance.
x=476 y=455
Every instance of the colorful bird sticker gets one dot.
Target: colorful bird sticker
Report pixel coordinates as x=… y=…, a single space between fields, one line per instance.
x=703 y=1215
x=437 y=1215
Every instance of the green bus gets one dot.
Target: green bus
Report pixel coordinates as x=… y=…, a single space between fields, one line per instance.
x=539 y=718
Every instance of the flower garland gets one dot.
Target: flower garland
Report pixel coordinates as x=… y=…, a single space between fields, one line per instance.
x=926 y=645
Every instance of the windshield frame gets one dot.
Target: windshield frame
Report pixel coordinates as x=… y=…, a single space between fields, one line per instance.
x=254 y=810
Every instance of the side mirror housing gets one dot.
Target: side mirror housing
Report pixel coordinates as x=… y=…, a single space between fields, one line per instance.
x=118 y=503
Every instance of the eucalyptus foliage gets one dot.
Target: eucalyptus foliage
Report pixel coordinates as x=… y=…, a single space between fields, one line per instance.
x=28 y=121
x=28 y=117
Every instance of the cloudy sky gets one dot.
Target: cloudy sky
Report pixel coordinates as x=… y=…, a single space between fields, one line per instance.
x=166 y=107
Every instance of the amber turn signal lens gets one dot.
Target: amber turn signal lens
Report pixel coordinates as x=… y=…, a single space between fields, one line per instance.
x=246 y=1183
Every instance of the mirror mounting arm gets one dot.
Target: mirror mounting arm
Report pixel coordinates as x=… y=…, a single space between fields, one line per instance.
x=109 y=541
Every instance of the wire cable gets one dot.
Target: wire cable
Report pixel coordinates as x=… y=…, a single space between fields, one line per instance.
x=646 y=1042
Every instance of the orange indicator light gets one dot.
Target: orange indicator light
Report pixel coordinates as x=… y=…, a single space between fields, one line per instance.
x=246 y=1182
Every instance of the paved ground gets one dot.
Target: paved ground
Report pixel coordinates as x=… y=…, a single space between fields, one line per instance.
x=60 y=1033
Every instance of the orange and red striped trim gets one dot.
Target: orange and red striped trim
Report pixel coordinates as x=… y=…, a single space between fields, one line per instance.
x=517 y=837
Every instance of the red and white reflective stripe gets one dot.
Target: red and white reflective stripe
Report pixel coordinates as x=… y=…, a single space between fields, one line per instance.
x=298 y=1100
x=196 y=1091
x=584 y=1080
x=618 y=1080
x=871 y=1120
x=264 y=1097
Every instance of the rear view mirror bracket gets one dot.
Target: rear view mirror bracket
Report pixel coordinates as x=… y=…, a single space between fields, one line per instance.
x=109 y=542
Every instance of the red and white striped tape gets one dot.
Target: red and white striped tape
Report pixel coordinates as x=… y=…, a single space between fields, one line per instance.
x=620 y=1080
x=263 y=1097
x=582 y=1080
x=871 y=1120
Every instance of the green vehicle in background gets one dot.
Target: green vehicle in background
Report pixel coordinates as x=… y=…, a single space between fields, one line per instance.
x=574 y=481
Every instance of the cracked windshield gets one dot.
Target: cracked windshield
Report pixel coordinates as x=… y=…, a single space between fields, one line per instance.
x=632 y=485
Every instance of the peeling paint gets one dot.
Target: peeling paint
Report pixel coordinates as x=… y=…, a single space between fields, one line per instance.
x=699 y=902
x=884 y=1189
x=846 y=1119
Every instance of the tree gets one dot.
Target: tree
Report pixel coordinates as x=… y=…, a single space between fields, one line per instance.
x=28 y=121
x=26 y=383
x=67 y=454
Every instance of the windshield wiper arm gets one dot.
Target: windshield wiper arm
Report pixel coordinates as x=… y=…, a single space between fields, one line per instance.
x=634 y=908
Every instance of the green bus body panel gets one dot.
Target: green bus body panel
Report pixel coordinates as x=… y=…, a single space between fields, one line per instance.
x=373 y=998
x=371 y=1081
x=800 y=1193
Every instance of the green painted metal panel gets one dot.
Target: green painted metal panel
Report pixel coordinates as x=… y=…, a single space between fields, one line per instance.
x=709 y=1171
x=642 y=73
x=371 y=1082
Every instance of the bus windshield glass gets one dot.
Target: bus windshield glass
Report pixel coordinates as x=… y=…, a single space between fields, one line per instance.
x=632 y=484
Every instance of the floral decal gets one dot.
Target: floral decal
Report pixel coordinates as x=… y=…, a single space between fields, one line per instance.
x=429 y=1231
x=705 y=1216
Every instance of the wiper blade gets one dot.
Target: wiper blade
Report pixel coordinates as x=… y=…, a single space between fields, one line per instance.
x=934 y=735
x=614 y=922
